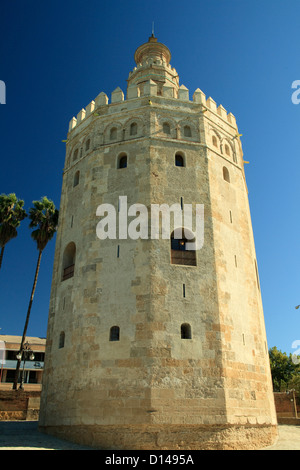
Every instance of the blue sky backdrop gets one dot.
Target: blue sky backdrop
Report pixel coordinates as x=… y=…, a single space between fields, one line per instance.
x=57 y=56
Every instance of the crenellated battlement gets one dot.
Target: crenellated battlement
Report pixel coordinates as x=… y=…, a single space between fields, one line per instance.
x=150 y=89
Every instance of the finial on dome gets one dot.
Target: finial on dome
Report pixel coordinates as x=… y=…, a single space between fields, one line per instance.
x=152 y=37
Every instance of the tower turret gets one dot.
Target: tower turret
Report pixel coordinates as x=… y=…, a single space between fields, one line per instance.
x=153 y=63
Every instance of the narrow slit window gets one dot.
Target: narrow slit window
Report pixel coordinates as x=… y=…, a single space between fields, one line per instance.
x=61 y=343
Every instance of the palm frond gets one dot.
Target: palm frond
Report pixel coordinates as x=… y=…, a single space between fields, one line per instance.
x=11 y=215
x=44 y=216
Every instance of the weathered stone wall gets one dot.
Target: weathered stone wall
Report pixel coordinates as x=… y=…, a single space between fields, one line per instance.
x=19 y=405
x=171 y=437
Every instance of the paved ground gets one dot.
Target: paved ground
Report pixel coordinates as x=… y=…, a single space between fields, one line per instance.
x=289 y=438
x=24 y=435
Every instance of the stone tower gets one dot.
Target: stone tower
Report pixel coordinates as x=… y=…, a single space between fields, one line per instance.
x=152 y=345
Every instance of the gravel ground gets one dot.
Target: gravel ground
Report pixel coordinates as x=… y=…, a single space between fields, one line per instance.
x=24 y=435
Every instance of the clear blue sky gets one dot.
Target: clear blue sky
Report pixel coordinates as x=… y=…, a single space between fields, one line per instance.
x=57 y=56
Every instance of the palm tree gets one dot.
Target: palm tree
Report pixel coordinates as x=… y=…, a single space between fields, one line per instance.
x=44 y=216
x=11 y=215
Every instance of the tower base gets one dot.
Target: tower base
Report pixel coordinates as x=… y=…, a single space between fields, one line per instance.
x=168 y=437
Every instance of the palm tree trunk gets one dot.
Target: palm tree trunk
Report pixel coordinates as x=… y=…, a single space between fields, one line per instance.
x=27 y=320
x=1 y=255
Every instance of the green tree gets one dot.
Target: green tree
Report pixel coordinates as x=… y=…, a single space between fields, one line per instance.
x=295 y=383
x=283 y=369
x=11 y=215
x=44 y=216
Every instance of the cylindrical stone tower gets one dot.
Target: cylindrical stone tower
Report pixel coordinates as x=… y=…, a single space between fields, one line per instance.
x=152 y=344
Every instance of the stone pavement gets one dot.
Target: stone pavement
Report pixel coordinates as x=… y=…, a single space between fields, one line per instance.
x=24 y=435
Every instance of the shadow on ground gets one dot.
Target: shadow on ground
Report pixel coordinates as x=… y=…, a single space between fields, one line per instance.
x=24 y=435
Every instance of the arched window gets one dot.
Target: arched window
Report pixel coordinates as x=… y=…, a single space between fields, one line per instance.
x=179 y=159
x=87 y=144
x=187 y=131
x=113 y=134
x=226 y=175
x=166 y=128
x=186 y=332
x=75 y=155
x=61 y=342
x=76 y=178
x=227 y=149
x=133 y=128
x=122 y=161
x=69 y=261
x=180 y=250
x=214 y=141
x=114 y=333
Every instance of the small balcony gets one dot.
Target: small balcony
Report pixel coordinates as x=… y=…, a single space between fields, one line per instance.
x=186 y=258
x=68 y=272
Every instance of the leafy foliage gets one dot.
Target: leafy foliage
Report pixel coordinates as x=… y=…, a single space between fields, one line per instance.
x=285 y=373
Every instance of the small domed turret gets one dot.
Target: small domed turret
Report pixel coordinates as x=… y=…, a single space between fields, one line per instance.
x=153 y=63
